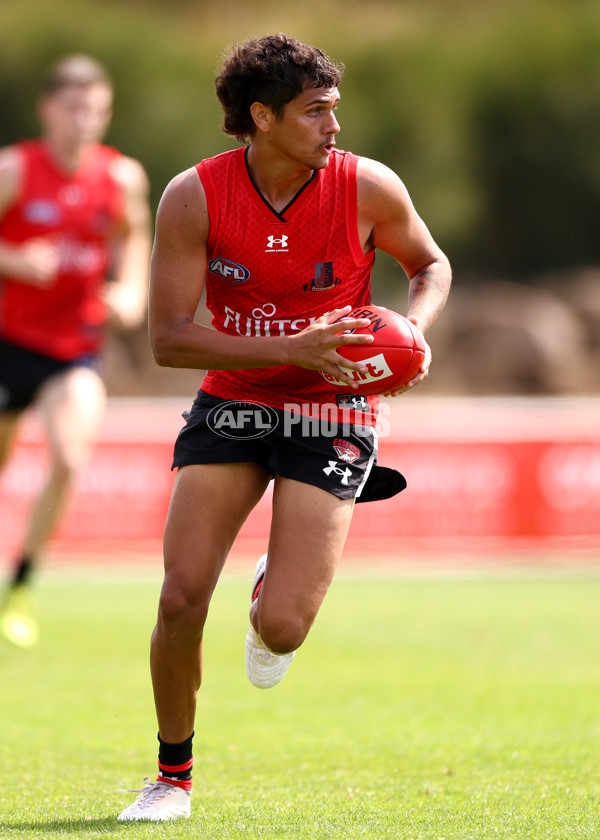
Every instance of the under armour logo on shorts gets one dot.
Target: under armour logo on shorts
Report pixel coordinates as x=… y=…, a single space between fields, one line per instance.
x=334 y=467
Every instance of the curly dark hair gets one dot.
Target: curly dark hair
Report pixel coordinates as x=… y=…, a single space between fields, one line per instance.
x=272 y=70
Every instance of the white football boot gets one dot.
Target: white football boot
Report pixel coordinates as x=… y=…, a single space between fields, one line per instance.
x=158 y=802
x=264 y=668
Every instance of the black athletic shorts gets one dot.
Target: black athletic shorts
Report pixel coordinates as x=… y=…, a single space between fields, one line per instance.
x=339 y=458
x=22 y=372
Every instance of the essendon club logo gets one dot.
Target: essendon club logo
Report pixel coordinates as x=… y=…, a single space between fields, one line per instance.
x=357 y=402
x=323 y=280
x=346 y=451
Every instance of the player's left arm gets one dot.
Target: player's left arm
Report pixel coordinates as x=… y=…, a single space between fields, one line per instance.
x=388 y=220
x=127 y=294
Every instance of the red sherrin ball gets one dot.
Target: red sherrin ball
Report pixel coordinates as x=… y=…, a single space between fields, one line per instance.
x=392 y=359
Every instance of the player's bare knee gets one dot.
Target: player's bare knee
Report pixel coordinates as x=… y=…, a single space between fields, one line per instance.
x=181 y=611
x=67 y=462
x=283 y=634
x=62 y=471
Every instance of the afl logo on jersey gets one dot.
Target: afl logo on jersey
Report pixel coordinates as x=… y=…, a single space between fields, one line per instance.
x=230 y=271
x=42 y=211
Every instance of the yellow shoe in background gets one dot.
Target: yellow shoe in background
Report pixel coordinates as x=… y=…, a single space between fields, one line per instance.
x=16 y=618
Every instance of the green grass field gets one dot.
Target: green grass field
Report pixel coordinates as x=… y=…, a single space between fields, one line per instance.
x=432 y=707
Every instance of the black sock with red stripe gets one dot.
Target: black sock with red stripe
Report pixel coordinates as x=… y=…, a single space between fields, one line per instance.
x=22 y=571
x=175 y=763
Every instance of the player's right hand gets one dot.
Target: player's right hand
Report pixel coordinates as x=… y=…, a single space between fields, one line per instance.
x=315 y=347
x=37 y=262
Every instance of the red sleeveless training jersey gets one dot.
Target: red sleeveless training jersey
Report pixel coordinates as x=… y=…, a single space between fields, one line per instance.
x=79 y=212
x=273 y=273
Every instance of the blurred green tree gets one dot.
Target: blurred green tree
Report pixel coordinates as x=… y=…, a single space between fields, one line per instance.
x=490 y=112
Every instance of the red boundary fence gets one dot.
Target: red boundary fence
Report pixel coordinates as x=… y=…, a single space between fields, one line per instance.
x=480 y=472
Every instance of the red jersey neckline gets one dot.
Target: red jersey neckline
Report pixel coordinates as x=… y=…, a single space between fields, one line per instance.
x=88 y=157
x=266 y=209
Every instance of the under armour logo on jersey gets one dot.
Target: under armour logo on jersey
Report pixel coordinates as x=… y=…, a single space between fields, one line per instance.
x=335 y=468
x=274 y=241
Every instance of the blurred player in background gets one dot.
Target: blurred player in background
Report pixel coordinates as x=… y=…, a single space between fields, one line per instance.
x=282 y=231
x=75 y=236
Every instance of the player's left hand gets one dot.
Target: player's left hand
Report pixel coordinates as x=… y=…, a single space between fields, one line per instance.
x=423 y=370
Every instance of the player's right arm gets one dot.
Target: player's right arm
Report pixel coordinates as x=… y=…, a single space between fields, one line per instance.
x=36 y=261
x=178 y=268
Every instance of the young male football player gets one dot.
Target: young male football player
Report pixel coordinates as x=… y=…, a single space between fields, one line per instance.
x=72 y=213
x=282 y=232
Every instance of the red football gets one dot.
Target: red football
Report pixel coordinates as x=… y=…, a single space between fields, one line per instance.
x=392 y=359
